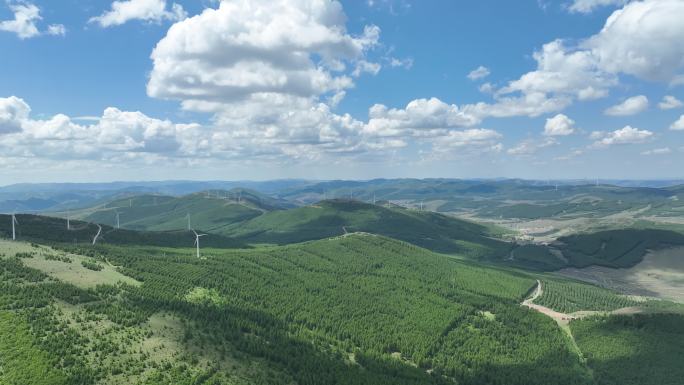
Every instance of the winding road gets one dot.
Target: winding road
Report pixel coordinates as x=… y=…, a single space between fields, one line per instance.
x=561 y=318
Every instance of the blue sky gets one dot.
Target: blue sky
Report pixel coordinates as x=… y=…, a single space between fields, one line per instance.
x=353 y=89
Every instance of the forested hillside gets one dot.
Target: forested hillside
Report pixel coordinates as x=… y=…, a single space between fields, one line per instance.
x=208 y=211
x=54 y=230
x=336 y=217
x=360 y=309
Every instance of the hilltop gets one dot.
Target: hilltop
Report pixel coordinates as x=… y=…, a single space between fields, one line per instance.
x=43 y=229
x=208 y=210
x=336 y=217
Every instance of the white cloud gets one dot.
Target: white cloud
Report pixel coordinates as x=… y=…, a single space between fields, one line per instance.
x=563 y=71
x=56 y=30
x=528 y=104
x=24 y=24
x=420 y=117
x=145 y=10
x=531 y=146
x=263 y=69
x=657 y=151
x=245 y=50
x=678 y=125
x=669 y=102
x=366 y=67
x=643 y=39
x=466 y=142
x=115 y=133
x=587 y=6
x=12 y=112
x=630 y=106
x=402 y=63
x=625 y=135
x=486 y=88
x=479 y=73
x=26 y=15
x=559 y=125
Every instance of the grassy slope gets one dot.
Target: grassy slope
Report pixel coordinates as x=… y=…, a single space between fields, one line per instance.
x=330 y=218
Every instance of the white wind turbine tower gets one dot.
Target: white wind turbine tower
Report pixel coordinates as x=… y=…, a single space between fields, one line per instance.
x=118 y=223
x=197 y=237
x=14 y=222
x=68 y=220
x=189 y=226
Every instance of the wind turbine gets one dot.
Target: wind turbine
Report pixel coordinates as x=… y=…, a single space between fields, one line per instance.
x=99 y=230
x=373 y=198
x=189 y=226
x=14 y=222
x=421 y=205
x=68 y=220
x=118 y=224
x=197 y=237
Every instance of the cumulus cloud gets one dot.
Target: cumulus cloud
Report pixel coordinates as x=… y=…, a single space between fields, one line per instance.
x=657 y=151
x=24 y=24
x=247 y=50
x=677 y=126
x=269 y=72
x=669 y=102
x=625 y=135
x=419 y=117
x=630 y=106
x=643 y=39
x=115 y=133
x=588 y=6
x=146 y=10
x=13 y=111
x=559 y=125
x=478 y=73
x=467 y=142
x=531 y=146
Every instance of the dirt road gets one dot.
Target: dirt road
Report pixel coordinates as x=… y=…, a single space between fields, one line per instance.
x=561 y=318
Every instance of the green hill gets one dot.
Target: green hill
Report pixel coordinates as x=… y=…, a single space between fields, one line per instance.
x=330 y=218
x=209 y=211
x=616 y=248
x=360 y=309
x=53 y=230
